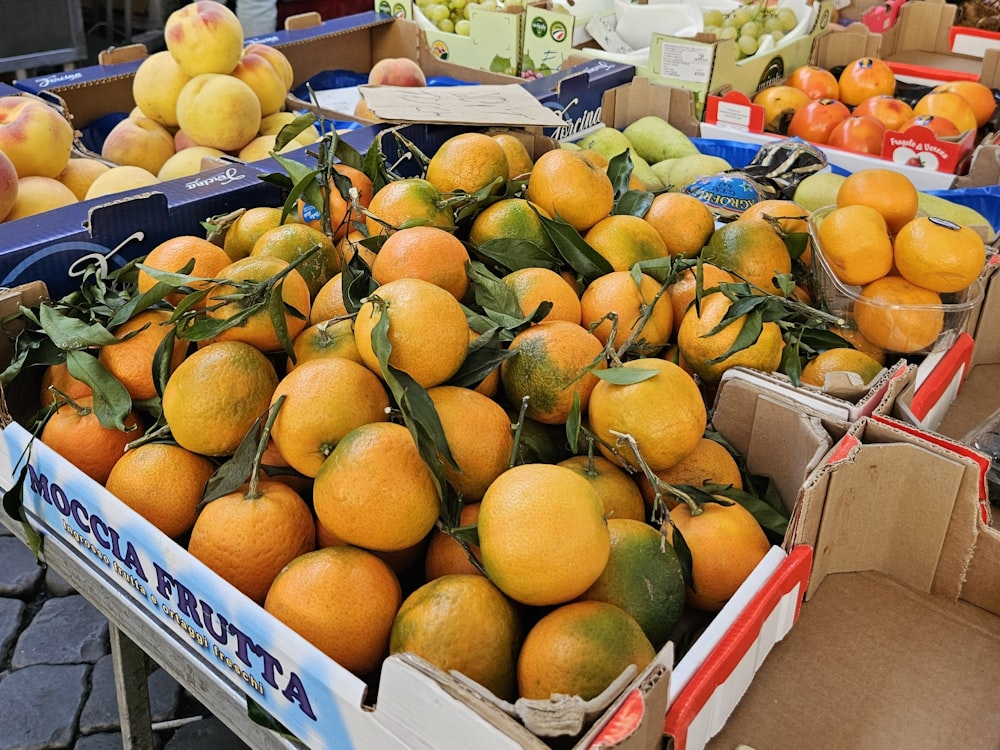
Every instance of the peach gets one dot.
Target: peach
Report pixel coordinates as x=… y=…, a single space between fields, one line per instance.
x=139 y=142
x=257 y=72
x=204 y=37
x=157 y=84
x=120 y=179
x=272 y=125
x=36 y=138
x=277 y=59
x=8 y=185
x=182 y=141
x=219 y=111
x=396 y=71
x=80 y=173
x=261 y=147
x=187 y=162
x=37 y=194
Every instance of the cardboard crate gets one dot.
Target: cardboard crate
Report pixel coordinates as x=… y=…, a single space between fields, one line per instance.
x=898 y=642
x=57 y=245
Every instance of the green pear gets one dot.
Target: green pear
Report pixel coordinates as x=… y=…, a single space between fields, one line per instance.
x=649 y=179
x=817 y=190
x=935 y=205
x=662 y=169
x=569 y=145
x=656 y=139
x=687 y=169
x=607 y=141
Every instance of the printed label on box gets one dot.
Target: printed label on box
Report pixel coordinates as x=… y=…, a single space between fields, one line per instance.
x=689 y=62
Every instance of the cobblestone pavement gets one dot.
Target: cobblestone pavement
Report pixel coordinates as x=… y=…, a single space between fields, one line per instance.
x=56 y=682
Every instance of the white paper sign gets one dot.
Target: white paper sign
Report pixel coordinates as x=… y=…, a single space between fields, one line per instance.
x=687 y=62
x=499 y=104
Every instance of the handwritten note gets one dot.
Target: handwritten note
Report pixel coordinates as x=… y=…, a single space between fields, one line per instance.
x=501 y=104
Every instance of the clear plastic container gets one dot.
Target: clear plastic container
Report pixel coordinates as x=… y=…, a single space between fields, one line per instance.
x=985 y=438
x=841 y=299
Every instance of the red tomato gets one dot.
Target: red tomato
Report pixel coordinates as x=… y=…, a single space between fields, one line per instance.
x=862 y=134
x=815 y=120
x=817 y=83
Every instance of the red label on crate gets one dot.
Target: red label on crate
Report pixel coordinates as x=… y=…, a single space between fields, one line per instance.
x=623 y=724
x=918 y=146
x=734 y=110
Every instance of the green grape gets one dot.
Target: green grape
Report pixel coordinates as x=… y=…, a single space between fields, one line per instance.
x=787 y=18
x=741 y=16
x=462 y=27
x=729 y=22
x=446 y=25
x=713 y=30
x=727 y=32
x=750 y=29
x=458 y=4
x=437 y=12
x=747 y=45
x=772 y=23
x=777 y=36
x=714 y=18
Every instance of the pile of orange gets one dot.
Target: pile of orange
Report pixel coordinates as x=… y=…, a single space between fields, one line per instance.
x=904 y=265
x=415 y=488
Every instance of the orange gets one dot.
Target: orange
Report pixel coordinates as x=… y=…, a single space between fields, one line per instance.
x=949 y=105
x=406 y=202
x=854 y=338
x=898 y=316
x=624 y=240
x=246 y=277
x=74 y=432
x=865 y=77
x=57 y=378
x=511 y=219
x=490 y=384
x=939 y=255
x=840 y=359
x=176 y=253
x=163 y=483
x=600 y=160
x=542 y=534
x=291 y=241
x=784 y=217
x=468 y=162
x=643 y=577
x=644 y=316
x=445 y=556
x=682 y=290
x=427 y=253
x=519 y=161
x=249 y=535
x=683 y=222
x=534 y=285
x=343 y=212
x=353 y=245
x=664 y=414
x=462 y=623
x=213 y=398
x=342 y=600
x=708 y=463
x=375 y=491
x=619 y=494
x=549 y=369
x=566 y=186
x=580 y=649
x=706 y=352
x=726 y=543
x=751 y=250
x=331 y=338
x=978 y=95
x=131 y=361
x=247 y=229
x=855 y=243
x=428 y=331
x=329 y=301
x=888 y=192
x=324 y=399
x=479 y=437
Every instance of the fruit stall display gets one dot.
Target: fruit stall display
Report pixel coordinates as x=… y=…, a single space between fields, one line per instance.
x=464 y=414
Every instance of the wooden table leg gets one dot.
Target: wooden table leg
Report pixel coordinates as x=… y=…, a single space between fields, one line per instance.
x=132 y=689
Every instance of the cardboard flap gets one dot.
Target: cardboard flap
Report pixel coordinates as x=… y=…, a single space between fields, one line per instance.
x=859 y=515
x=128 y=53
x=624 y=104
x=303 y=21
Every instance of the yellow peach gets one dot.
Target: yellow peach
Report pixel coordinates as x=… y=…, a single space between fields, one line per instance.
x=219 y=111
x=204 y=37
x=277 y=59
x=8 y=185
x=257 y=72
x=80 y=173
x=157 y=84
x=187 y=162
x=261 y=147
x=36 y=194
x=139 y=142
x=396 y=71
x=120 y=179
x=35 y=137
x=272 y=125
